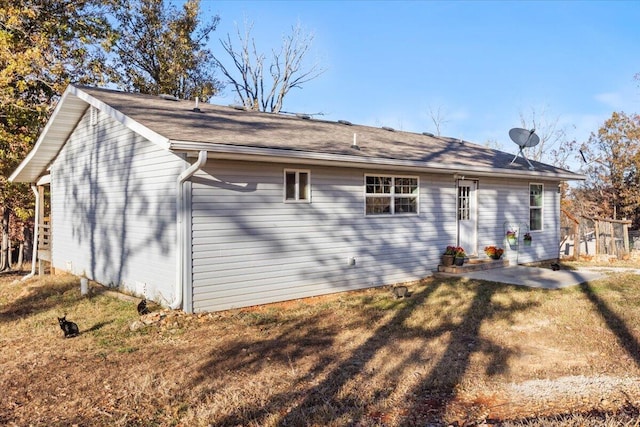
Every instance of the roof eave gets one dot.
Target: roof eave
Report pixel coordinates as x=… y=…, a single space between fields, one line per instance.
x=32 y=167
x=272 y=155
x=125 y=120
x=63 y=121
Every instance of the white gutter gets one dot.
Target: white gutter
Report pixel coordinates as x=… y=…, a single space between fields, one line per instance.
x=275 y=155
x=36 y=233
x=180 y=248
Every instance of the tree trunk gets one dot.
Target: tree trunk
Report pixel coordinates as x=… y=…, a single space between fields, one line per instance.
x=28 y=242
x=10 y=255
x=20 y=255
x=4 y=247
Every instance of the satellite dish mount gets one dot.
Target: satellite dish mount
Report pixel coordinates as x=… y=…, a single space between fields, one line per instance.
x=524 y=138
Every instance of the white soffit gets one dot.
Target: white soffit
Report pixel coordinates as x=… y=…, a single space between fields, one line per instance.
x=55 y=133
x=70 y=109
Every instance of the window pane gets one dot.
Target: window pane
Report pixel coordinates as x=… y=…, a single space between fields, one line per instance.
x=406 y=205
x=535 y=195
x=370 y=180
x=463 y=203
x=535 y=219
x=378 y=205
x=406 y=186
x=378 y=185
x=290 y=192
x=302 y=186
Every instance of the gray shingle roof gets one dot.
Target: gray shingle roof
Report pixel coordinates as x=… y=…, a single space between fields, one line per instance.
x=177 y=121
x=220 y=129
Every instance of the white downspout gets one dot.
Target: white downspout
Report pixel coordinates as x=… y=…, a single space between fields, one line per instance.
x=36 y=232
x=180 y=248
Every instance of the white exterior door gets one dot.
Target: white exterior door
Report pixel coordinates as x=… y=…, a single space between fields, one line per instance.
x=467 y=216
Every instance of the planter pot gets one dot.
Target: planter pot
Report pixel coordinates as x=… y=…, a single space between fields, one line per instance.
x=495 y=256
x=458 y=261
x=512 y=241
x=447 y=260
x=527 y=242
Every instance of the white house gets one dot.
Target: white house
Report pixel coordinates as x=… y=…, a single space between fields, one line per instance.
x=215 y=207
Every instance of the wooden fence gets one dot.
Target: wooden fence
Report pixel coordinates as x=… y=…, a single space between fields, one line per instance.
x=593 y=236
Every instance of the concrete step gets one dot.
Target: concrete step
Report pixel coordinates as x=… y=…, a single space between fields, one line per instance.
x=474 y=265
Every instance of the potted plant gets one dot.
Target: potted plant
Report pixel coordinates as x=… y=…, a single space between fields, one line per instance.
x=459 y=257
x=448 y=256
x=527 y=239
x=493 y=252
x=512 y=238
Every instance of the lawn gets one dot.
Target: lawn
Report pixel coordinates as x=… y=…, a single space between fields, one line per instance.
x=456 y=352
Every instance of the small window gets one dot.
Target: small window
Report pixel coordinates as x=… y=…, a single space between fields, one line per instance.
x=536 y=204
x=390 y=195
x=297 y=186
x=464 y=203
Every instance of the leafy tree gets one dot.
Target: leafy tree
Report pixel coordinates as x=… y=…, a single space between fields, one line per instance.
x=613 y=168
x=43 y=46
x=261 y=86
x=160 y=49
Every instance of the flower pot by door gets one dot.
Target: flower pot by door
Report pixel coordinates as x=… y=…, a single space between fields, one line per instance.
x=458 y=261
x=447 y=260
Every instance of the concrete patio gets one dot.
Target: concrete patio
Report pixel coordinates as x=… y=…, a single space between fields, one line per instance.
x=535 y=277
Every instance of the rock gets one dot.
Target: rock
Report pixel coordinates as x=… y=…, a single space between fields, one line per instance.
x=136 y=325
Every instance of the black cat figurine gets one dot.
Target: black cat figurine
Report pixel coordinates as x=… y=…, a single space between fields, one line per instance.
x=70 y=329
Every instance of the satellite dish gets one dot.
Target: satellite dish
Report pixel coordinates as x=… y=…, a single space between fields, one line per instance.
x=524 y=138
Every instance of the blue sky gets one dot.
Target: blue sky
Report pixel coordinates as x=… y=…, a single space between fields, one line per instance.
x=481 y=63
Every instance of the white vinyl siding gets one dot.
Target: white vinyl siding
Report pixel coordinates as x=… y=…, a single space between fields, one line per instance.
x=250 y=248
x=503 y=202
x=113 y=208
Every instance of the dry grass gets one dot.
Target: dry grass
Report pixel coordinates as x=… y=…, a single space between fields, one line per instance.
x=456 y=351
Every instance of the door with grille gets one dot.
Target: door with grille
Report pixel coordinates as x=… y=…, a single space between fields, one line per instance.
x=467 y=216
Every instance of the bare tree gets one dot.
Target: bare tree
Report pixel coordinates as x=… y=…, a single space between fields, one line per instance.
x=554 y=147
x=494 y=144
x=438 y=117
x=265 y=90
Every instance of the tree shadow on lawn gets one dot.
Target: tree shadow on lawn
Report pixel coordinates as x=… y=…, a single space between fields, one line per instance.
x=617 y=325
x=437 y=390
x=42 y=294
x=325 y=402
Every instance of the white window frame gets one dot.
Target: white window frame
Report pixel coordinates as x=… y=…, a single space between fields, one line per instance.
x=392 y=195
x=297 y=199
x=541 y=207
